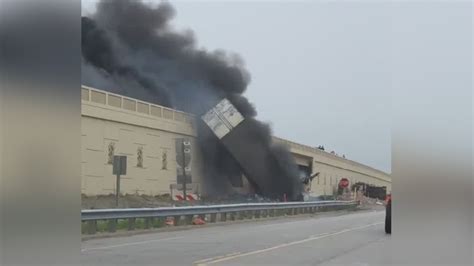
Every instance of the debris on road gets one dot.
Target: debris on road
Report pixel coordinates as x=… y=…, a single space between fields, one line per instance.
x=170 y=221
x=198 y=221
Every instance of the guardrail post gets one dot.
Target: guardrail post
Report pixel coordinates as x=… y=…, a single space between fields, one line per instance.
x=249 y=214
x=189 y=219
x=177 y=220
x=223 y=216
x=148 y=222
x=159 y=222
x=112 y=225
x=131 y=224
x=213 y=217
x=257 y=214
x=92 y=227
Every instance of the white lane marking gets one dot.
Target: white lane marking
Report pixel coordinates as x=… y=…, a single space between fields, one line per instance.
x=131 y=244
x=284 y=223
x=311 y=238
x=200 y=262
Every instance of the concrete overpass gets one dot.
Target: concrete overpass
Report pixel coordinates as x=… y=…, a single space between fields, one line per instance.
x=113 y=124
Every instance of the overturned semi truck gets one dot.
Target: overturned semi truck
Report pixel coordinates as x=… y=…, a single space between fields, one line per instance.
x=270 y=175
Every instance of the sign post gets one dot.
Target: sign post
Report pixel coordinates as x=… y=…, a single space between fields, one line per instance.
x=183 y=163
x=119 y=168
x=184 y=175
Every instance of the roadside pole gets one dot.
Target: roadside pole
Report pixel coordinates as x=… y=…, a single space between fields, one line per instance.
x=117 y=190
x=119 y=168
x=184 y=173
x=183 y=164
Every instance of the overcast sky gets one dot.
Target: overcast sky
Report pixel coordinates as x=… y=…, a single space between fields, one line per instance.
x=320 y=70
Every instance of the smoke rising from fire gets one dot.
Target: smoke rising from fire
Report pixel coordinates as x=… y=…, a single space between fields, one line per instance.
x=130 y=48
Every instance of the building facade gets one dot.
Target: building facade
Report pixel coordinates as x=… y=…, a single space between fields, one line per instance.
x=117 y=125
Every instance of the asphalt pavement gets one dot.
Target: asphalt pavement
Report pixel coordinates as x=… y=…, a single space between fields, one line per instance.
x=343 y=238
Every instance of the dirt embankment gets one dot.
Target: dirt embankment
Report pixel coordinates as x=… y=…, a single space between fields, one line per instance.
x=125 y=201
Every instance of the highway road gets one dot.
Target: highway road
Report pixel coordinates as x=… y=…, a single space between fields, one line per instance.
x=343 y=238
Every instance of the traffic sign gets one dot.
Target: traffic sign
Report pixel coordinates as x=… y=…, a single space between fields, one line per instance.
x=120 y=165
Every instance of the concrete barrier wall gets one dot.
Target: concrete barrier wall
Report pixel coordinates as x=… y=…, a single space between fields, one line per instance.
x=332 y=168
x=110 y=130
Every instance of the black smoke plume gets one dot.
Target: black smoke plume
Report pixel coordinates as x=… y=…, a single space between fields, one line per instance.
x=130 y=48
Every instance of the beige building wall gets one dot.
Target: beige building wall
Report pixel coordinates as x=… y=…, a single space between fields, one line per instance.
x=114 y=124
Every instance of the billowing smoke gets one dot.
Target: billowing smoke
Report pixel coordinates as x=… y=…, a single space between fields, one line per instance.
x=130 y=48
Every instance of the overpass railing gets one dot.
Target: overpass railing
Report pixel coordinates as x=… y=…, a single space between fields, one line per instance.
x=111 y=220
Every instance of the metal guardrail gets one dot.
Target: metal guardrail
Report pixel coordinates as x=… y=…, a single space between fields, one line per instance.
x=106 y=214
x=243 y=211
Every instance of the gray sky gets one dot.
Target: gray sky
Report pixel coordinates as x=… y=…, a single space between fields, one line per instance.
x=320 y=70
